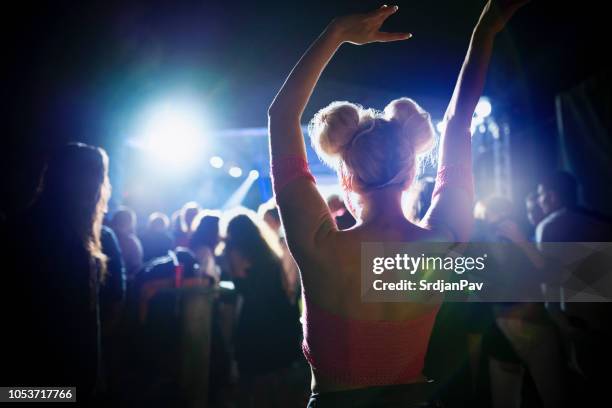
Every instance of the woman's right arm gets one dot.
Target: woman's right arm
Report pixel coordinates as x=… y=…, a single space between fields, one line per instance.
x=452 y=200
x=305 y=214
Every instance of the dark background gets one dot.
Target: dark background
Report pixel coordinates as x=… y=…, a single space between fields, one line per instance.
x=78 y=70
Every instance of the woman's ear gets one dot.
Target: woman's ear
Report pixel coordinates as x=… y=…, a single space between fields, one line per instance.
x=348 y=188
x=346 y=181
x=349 y=201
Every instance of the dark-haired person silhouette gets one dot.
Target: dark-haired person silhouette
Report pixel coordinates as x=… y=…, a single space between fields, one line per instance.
x=156 y=240
x=52 y=334
x=123 y=224
x=564 y=220
x=267 y=332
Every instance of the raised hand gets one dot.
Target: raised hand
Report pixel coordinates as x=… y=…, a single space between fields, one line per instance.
x=285 y=112
x=365 y=28
x=497 y=13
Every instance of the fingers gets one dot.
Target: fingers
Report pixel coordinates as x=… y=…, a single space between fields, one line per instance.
x=380 y=15
x=384 y=11
x=388 y=37
x=387 y=11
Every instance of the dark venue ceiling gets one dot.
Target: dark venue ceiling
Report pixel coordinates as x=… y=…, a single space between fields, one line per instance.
x=75 y=70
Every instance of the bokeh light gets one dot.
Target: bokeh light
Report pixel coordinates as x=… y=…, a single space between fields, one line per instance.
x=216 y=162
x=235 y=171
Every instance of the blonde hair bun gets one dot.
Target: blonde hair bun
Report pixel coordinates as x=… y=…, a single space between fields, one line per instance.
x=332 y=129
x=372 y=149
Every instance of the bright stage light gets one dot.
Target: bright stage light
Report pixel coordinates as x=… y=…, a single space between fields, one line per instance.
x=216 y=162
x=235 y=171
x=173 y=132
x=440 y=126
x=483 y=108
x=238 y=196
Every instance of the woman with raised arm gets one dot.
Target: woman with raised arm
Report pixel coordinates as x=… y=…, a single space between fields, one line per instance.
x=370 y=354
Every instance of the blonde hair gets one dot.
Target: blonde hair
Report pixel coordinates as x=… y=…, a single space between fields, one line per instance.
x=370 y=149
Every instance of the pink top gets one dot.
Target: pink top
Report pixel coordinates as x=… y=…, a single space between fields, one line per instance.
x=364 y=352
x=288 y=168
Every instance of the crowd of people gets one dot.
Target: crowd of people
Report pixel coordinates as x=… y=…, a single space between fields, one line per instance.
x=102 y=295
x=92 y=284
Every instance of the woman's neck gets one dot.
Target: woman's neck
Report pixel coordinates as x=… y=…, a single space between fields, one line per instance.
x=380 y=205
